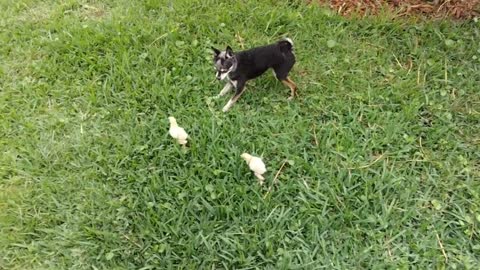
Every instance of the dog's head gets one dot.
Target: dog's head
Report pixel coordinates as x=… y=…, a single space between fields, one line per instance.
x=224 y=62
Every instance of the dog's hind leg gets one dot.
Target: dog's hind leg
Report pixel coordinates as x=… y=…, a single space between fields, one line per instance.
x=293 y=87
x=240 y=89
x=281 y=72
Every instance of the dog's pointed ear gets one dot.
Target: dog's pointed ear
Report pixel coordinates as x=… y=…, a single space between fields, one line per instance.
x=215 y=51
x=229 y=52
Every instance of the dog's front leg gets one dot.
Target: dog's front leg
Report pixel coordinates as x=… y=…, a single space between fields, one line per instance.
x=225 y=90
x=240 y=86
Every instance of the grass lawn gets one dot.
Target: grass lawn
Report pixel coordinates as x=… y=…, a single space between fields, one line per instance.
x=381 y=149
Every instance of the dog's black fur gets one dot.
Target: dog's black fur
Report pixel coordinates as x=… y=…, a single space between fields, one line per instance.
x=246 y=65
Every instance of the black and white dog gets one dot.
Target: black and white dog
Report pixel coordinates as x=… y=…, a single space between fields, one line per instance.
x=242 y=66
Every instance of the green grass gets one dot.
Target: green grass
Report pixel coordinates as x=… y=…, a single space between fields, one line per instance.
x=383 y=143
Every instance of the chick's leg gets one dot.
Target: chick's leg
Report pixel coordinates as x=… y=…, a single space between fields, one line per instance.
x=260 y=178
x=183 y=142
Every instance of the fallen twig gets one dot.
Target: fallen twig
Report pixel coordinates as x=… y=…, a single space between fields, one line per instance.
x=240 y=40
x=131 y=241
x=442 y=248
x=370 y=164
x=389 y=251
x=275 y=179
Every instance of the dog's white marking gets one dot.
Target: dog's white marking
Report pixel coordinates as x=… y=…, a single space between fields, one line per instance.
x=225 y=90
x=225 y=74
x=289 y=41
x=228 y=106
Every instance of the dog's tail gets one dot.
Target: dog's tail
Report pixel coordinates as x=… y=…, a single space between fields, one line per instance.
x=286 y=45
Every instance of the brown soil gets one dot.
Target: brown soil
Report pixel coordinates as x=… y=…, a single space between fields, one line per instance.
x=455 y=9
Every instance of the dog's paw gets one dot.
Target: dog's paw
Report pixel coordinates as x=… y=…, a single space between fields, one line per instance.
x=228 y=106
x=290 y=98
x=225 y=109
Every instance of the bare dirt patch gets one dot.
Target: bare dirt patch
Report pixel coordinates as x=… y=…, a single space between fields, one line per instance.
x=455 y=9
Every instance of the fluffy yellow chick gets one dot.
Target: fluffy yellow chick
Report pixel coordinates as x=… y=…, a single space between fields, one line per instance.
x=256 y=165
x=177 y=132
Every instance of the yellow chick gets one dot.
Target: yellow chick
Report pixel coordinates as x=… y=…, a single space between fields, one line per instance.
x=256 y=165
x=177 y=132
